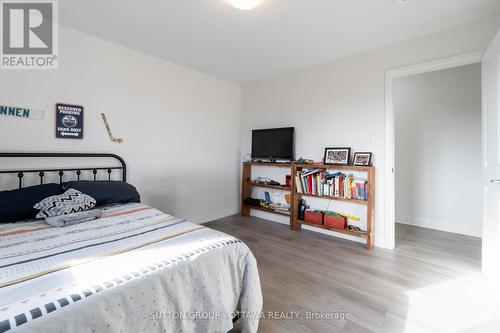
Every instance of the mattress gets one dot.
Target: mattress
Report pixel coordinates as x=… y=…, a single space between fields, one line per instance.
x=135 y=269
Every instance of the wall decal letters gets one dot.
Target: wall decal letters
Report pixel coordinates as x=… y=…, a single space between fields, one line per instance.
x=19 y=112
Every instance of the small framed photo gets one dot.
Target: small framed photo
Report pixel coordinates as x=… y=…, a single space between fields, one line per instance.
x=337 y=156
x=362 y=159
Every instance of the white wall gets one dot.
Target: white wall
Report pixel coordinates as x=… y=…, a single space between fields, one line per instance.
x=181 y=127
x=341 y=103
x=438 y=150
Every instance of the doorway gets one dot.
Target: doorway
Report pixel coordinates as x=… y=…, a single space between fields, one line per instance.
x=390 y=133
x=438 y=150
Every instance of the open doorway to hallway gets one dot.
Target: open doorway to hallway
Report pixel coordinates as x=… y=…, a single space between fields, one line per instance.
x=437 y=117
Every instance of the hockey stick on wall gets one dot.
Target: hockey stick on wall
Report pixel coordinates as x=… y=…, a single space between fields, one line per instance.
x=111 y=137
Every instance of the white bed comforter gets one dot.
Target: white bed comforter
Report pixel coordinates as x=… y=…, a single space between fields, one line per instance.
x=134 y=270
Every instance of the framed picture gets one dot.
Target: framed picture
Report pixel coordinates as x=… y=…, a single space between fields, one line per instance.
x=362 y=159
x=338 y=156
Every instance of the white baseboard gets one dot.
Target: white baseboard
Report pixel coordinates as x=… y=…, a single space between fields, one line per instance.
x=270 y=217
x=432 y=224
x=273 y=218
x=215 y=215
x=285 y=220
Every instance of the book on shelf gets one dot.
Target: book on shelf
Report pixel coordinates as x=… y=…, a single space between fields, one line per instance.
x=337 y=185
x=298 y=184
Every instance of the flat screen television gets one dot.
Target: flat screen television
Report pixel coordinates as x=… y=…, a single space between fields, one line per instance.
x=273 y=143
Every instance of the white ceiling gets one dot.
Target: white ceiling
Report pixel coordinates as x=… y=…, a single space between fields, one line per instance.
x=277 y=37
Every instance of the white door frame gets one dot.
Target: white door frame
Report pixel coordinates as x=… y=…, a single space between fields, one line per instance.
x=491 y=267
x=390 y=150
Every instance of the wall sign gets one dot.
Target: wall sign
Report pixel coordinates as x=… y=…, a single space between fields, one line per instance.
x=69 y=121
x=19 y=112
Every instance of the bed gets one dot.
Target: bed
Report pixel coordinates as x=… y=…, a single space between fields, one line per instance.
x=135 y=269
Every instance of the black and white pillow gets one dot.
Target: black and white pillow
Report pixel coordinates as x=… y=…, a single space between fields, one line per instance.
x=71 y=201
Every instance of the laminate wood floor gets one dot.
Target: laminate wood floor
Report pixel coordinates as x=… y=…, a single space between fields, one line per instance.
x=430 y=283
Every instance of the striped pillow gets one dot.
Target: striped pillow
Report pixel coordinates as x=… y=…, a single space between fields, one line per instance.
x=71 y=201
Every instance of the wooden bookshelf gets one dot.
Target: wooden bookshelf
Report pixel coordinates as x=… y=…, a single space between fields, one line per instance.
x=295 y=223
x=370 y=171
x=247 y=184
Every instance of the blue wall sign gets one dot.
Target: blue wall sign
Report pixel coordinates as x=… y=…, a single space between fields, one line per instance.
x=69 y=121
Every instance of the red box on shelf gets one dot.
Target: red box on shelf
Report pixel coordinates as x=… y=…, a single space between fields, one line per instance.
x=335 y=221
x=314 y=217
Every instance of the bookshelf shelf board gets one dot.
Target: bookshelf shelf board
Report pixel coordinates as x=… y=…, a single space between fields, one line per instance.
x=357 y=201
x=285 y=188
x=342 y=231
x=336 y=167
x=268 y=210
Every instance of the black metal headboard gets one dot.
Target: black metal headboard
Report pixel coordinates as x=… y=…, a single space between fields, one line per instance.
x=61 y=171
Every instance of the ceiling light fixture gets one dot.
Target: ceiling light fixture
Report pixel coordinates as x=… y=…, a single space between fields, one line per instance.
x=244 y=4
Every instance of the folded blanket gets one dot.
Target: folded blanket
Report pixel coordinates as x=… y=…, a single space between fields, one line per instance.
x=69 y=219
